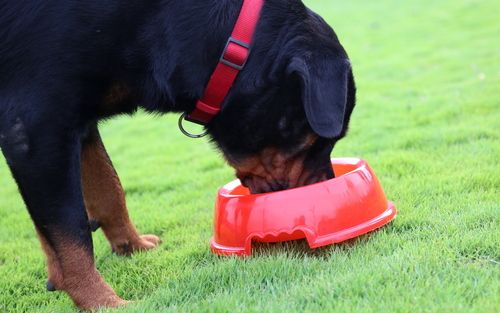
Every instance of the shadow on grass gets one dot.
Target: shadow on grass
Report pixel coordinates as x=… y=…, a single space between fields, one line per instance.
x=300 y=248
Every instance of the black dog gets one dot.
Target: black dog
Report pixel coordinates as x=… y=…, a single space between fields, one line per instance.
x=65 y=65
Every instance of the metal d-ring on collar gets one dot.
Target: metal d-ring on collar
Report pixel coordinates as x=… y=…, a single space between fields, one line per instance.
x=185 y=132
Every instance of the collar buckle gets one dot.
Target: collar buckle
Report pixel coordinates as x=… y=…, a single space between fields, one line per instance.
x=235 y=54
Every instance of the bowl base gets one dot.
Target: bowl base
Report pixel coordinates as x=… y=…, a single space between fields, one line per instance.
x=305 y=232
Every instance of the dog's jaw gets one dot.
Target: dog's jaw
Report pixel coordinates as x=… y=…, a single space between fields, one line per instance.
x=274 y=169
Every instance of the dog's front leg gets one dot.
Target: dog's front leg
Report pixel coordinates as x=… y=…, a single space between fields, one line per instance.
x=45 y=162
x=105 y=199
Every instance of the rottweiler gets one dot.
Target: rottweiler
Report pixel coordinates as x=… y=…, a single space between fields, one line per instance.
x=67 y=65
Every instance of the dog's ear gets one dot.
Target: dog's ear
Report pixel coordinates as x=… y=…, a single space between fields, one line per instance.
x=324 y=83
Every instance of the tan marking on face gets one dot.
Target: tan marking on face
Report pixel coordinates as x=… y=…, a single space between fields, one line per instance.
x=105 y=200
x=273 y=169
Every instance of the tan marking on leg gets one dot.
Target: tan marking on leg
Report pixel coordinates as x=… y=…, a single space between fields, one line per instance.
x=82 y=281
x=73 y=271
x=54 y=270
x=105 y=200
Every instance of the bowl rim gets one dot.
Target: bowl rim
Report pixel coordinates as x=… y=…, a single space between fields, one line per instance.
x=225 y=191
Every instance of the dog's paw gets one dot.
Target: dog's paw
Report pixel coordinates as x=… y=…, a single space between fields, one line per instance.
x=117 y=302
x=155 y=240
x=92 y=305
x=146 y=242
x=141 y=243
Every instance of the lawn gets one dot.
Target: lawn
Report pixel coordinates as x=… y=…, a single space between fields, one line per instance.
x=427 y=120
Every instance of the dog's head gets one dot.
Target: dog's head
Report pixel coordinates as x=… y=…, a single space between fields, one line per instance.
x=290 y=104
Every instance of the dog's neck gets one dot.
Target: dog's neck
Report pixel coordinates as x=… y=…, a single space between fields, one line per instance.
x=183 y=45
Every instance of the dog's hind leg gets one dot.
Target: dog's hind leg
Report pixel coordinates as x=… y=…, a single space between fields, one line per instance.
x=44 y=157
x=105 y=199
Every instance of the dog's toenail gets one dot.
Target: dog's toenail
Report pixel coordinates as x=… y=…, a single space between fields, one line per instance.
x=50 y=286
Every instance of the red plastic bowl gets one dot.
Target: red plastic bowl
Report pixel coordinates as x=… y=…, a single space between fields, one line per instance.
x=329 y=212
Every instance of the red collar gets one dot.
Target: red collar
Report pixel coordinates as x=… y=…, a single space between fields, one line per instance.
x=232 y=61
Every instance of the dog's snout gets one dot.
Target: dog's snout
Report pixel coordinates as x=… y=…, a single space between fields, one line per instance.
x=258 y=184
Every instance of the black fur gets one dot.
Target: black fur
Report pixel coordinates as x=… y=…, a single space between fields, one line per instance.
x=59 y=59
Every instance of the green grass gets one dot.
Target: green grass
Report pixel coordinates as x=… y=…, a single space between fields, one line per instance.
x=428 y=120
